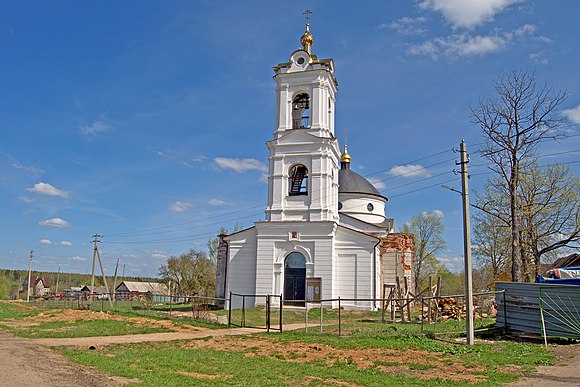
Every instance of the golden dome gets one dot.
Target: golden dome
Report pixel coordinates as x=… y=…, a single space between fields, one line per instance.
x=345 y=158
x=307 y=39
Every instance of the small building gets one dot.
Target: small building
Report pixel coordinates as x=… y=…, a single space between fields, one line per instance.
x=40 y=286
x=129 y=290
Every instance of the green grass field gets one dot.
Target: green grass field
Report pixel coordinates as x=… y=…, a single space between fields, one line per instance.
x=367 y=353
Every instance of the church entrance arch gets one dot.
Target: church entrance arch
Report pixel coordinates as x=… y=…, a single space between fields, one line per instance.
x=294 y=279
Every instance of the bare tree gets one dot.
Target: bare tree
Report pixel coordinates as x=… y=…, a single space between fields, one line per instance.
x=514 y=122
x=550 y=200
x=427 y=230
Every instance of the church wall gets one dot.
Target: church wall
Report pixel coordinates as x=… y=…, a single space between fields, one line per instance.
x=241 y=270
x=355 y=268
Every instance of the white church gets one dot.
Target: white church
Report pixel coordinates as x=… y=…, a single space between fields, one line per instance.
x=325 y=233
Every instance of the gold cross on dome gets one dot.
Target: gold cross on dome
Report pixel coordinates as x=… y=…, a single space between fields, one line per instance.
x=307 y=15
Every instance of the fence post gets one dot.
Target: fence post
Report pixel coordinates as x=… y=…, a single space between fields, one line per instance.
x=321 y=311
x=306 y=320
x=339 y=332
x=505 y=324
x=281 y=310
x=230 y=310
x=243 y=311
x=268 y=313
x=423 y=306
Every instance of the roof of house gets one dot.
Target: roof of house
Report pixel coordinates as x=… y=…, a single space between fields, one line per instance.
x=145 y=287
x=45 y=281
x=569 y=260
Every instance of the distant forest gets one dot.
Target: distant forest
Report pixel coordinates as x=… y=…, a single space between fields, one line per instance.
x=12 y=282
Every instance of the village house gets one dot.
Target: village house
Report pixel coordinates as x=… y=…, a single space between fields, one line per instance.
x=325 y=233
x=40 y=286
x=130 y=290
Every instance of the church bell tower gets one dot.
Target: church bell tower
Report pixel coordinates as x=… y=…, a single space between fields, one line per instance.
x=304 y=153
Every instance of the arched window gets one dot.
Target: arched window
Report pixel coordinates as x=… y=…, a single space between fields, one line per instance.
x=301 y=111
x=298 y=180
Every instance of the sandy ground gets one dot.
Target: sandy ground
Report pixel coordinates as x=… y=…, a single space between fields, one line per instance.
x=566 y=372
x=25 y=363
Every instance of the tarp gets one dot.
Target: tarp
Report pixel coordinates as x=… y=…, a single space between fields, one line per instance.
x=562 y=281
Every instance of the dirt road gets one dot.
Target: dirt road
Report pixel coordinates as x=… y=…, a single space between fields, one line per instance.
x=25 y=363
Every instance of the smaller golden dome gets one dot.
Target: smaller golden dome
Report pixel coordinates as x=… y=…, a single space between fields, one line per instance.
x=345 y=158
x=307 y=39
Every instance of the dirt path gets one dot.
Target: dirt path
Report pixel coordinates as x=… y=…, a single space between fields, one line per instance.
x=25 y=363
x=566 y=372
x=142 y=338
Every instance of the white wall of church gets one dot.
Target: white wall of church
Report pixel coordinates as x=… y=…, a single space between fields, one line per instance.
x=241 y=270
x=355 y=268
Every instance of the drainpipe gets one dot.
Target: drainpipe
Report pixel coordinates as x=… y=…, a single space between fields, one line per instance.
x=375 y=272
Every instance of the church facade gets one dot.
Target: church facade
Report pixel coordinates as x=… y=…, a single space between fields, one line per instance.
x=325 y=233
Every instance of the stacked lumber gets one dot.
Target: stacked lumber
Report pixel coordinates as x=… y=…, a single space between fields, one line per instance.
x=450 y=308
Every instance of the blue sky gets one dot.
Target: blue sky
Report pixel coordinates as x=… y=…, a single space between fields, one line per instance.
x=146 y=121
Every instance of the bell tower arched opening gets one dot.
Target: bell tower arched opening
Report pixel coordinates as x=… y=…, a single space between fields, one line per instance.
x=301 y=111
x=298 y=180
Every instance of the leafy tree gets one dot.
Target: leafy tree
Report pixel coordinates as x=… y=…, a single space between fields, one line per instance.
x=513 y=123
x=427 y=230
x=548 y=212
x=192 y=274
x=491 y=241
x=8 y=289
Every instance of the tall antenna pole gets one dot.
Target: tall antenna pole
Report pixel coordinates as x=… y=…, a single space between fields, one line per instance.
x=115 y=280
x=57 y=279
x=95 y=250
x=104 y=279
x=29 y=276
x=466 y=244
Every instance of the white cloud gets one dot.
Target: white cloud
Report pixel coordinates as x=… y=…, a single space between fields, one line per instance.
x=438 y=213
x=538 y=58
x=407 y=26
x=179 y=206
x=467 y=13
x=17 y=165
x=65 y=243
x=26 y=199
x=240 y=165
x=47 y=189
x=54 y=222
x=377 y=183
x=573 y=114
x=409 y=170
x=46 y=241
x=99 y=126
x=465 y=45
x=159 y=255
x=77 y=258
x=217 y=202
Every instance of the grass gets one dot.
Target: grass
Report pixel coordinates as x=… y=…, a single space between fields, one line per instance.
x=178 y=364
x=37 y=328
x=282 y=361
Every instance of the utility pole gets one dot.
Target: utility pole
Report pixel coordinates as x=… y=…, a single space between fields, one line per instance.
x=29 y=276
x=95 y=250
x=466 y=244
x=98 y=255
x=57 y=279
x=115 y=281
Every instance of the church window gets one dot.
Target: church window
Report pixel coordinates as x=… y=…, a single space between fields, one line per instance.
x=370 y=207
x=339 y=206
x=301 y=111
x=298 y=180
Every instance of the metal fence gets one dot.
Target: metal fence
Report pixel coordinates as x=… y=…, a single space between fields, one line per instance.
x=272 y=313
x=546 y=310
